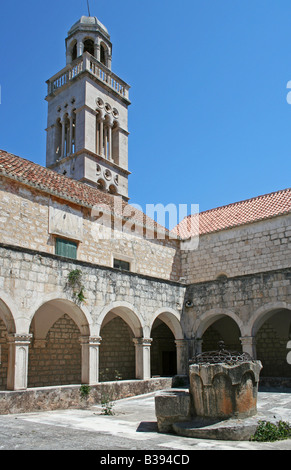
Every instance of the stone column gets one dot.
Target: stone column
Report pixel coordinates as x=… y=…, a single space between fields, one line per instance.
x=106 y=141
x=63 y=123
x=142 y=358
x=97 y=51
x=110 y=141
x=90 y=359
x=18 y=361
x=71 y=118
x=182 y=356
x=198 y=345
x=80 y=48
x=249 y=345
x=101 y=136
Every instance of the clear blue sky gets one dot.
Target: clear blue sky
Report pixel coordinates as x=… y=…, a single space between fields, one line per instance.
x=209 y=121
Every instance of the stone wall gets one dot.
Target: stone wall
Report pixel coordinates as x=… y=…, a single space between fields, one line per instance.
x=57 y=360
x=69 y=397
x=26 y=221
x=258 y=247
x=253 y=310
x=117 y=351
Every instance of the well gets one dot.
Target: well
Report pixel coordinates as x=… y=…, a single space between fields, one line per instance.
x=221 y=402
x=224 y=384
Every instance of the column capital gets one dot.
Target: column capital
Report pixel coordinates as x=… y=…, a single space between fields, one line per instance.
x=18 y=338
x=91 y=340
x=142 y=341
x=249 y=345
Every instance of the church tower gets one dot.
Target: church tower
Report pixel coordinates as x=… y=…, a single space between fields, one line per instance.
x=87 y=125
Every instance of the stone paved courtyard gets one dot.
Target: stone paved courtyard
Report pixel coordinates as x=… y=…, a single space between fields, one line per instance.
x=131 y=428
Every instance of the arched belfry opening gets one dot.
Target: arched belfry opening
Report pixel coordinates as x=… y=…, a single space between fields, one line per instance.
x=102 y=54
x=89 y=46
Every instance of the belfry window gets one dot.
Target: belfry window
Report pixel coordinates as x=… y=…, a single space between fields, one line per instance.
x=102 y=55
x=89 y=46
x=74 y=52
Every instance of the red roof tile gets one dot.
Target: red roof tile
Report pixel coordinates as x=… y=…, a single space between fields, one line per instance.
x=49 y=181
x=235 y=214
x=221 y=218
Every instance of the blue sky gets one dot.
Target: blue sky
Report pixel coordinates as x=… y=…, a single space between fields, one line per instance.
x=209 y=121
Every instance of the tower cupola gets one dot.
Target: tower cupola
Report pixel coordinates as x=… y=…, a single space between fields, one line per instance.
x=89 y=35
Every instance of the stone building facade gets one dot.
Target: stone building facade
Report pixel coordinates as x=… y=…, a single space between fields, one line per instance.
x=86 y=295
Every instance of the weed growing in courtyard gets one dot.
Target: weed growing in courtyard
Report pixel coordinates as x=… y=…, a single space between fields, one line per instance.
x=270 y=432
x=107 y=404
x=84 y=391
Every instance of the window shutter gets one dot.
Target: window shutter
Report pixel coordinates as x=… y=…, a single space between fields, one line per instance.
x=66 y=248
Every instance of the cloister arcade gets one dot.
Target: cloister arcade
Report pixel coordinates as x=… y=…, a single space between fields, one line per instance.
x=56 y=349
x=265 y=337
x=59 y=349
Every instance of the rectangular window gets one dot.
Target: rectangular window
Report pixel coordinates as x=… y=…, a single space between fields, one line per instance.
x=119 y=264
x=66 y=248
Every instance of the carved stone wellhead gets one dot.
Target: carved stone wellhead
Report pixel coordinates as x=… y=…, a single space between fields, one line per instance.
x=224 y=384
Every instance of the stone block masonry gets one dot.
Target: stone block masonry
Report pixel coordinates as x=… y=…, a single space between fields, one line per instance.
x=58 y=339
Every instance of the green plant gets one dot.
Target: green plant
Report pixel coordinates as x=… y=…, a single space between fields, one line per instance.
x=75 y=284
x=107 y=376
x=270 y=432
x=85 y=391
x=107 y=404
x=74 y=277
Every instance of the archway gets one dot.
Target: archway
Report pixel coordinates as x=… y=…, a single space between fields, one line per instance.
x=224 y=329
x=117 y=356
x=6 y=326
x=272 y=331
x=216 y=326
x=165 y=330
x=55 y=352
x=163 y=350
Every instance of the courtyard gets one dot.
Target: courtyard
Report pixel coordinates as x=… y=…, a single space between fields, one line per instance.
x=132 y=427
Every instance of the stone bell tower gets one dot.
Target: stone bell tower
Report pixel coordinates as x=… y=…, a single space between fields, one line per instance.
x=87 y=126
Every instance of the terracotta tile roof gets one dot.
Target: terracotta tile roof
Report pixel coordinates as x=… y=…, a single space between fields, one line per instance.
x=49 y=181
x=220 y=218
x=238 y=213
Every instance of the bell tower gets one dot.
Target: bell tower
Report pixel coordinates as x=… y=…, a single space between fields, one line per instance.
x=87 y=125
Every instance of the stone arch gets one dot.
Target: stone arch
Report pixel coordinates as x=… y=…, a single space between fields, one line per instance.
x=104 y=53
x=88 y=45
x=263 y=313
x=218 y=325
x=211 y=316
x=166 y=331
x=171 y=318
x=55 y=351
x=119 y=326
x=72 y=50
x=6 y=315
x=270 y=330
x=7 y=326
x=62 y=304
x=127 y=312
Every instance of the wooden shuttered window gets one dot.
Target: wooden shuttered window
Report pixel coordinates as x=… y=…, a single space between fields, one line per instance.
x=66 y=248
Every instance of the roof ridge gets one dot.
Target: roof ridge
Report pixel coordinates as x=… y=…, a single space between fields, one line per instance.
x=240 y=202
